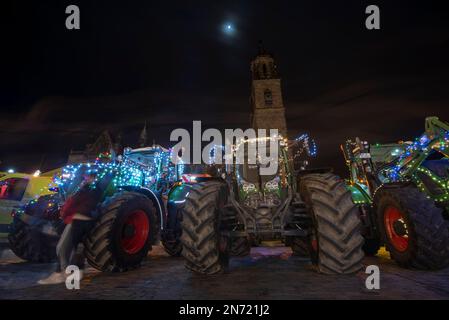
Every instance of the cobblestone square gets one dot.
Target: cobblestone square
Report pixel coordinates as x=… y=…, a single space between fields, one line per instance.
x=269 y=273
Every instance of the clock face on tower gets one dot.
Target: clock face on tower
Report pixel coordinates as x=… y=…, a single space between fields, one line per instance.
x=268 y=97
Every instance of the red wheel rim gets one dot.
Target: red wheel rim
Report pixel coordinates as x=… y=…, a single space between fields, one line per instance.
x=393 y=215
x=136 y=229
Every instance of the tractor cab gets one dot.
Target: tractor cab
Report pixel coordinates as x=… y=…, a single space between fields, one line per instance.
x=256 y=189
x=261 y=187
x=155 y=162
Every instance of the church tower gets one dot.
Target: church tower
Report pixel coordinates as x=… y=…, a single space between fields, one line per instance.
x=267 y=107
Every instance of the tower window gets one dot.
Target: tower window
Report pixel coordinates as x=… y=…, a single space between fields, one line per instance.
x=268 y=97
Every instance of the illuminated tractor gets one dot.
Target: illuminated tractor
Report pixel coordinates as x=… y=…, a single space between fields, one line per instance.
x=402 y=190
x=131 y=216
x=309 y=210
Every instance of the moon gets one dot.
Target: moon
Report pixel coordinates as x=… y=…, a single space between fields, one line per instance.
x=228 y=28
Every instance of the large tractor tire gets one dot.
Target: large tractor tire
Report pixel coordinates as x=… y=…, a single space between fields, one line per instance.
x=413 y=228
x=240 y=247
x=204 y=237
x=124 y=233
x=335 y=241
x=300 y=247
x=173 y=246
x=27 y=241
x=29 y=244
x=172 y=241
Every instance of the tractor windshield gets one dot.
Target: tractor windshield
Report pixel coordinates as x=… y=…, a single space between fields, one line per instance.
x=250 y=172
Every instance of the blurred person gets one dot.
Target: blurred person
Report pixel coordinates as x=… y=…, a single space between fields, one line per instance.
x=78 y=214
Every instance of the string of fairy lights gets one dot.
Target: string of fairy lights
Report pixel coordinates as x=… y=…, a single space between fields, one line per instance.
x=422 y=146
x=126 y=171
x=309 y=144
x=411 y=160
x=123 y=172
x=443 y=184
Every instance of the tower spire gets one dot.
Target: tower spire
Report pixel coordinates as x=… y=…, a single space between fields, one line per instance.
x=143 y=136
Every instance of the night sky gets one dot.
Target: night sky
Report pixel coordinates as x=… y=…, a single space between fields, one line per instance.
x=169 y=62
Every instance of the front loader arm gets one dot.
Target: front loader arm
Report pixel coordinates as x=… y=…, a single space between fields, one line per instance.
x=435 y=137
x=358 y=159
x=435 y=127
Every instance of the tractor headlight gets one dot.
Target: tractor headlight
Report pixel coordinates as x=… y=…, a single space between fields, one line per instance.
x=248 y=187
x=272 y=185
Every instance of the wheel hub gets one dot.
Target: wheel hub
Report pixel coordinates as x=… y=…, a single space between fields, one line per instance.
x=129 y=231
x=396 y=228
x=135 y=231
x=400 y=228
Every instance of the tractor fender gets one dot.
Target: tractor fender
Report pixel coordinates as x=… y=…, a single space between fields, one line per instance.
x=396 y=185
x=392 y=185
x=176 y=199
x=315 y=170
x=157 y=200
